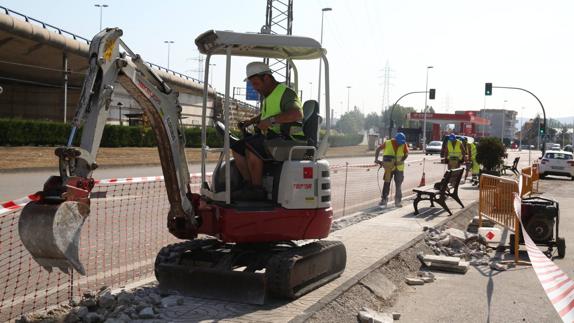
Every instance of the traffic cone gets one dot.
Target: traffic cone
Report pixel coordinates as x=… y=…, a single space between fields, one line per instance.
x=423 y=181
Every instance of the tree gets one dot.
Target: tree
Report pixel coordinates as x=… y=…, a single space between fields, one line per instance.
x=399 y=116
x=373 y=121
x=490 y=152
x=351 y=122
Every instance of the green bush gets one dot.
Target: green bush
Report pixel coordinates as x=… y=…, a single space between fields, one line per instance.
x=490 y=152
x=16 y=132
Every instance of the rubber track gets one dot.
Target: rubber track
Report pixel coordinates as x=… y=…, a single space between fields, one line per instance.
x=170 y=253
x=279 y=268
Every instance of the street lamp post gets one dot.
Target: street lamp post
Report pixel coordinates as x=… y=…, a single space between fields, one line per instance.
x=348 y=95
x=425 y=109
x=321 y=61
x=120 y=107
x=101 y=6
x=211 y=68
x=168 y=42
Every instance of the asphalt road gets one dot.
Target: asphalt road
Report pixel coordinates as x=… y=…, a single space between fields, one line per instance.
x=484 y=295
x=14 y=185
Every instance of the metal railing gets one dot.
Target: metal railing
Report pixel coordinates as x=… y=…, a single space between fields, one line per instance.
x=44 y=25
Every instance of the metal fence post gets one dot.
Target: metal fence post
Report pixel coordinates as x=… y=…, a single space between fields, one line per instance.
x=345 y=190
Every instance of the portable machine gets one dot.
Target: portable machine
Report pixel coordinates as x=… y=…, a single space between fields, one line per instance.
x=541 y=218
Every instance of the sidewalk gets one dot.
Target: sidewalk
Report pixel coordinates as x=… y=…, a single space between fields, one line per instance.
x=368 y=243
x=485 y=295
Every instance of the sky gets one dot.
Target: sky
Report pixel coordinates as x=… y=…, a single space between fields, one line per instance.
x=511 y=43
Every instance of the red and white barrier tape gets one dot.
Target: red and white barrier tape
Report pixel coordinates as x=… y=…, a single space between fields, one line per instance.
x=9 y=206
x=16 y=204
x=558 y=286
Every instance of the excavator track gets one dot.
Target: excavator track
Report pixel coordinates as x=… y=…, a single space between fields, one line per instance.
x=295 y=272
x=208 y=268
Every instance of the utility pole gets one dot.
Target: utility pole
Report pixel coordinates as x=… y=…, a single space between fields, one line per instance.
x=199 y=69
x=348 y=95
x=521 y=132
x=279 y=21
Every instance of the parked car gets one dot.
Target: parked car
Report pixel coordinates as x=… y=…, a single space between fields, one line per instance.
x=433 y=147
x=556 y=162
x=568 y=148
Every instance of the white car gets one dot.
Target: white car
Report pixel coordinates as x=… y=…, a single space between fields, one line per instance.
x=557 y=162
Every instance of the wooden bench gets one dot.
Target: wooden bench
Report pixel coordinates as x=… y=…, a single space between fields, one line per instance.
x=513 y=167
x=440 y=191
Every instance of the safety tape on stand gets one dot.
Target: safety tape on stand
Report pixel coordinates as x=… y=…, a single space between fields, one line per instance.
x=558 y=286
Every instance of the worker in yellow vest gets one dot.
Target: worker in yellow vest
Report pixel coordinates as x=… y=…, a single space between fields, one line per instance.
x=475 y=167
x=395 y=151
x=467 y=160
x=455 y=152
x=280 y=107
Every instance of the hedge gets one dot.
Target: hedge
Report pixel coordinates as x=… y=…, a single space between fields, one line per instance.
x=17 y=132
x=345 y=140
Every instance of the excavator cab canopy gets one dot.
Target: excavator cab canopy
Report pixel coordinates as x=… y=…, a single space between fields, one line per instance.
x=229 y=43
x=215 y=42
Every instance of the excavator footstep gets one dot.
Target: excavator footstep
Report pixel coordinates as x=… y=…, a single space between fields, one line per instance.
x=51 y=233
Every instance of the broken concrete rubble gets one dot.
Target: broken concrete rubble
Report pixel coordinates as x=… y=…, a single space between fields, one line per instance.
x=414 y=281
x=367 y=315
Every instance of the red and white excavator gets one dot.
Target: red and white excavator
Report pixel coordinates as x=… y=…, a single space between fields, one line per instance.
x=233 y=250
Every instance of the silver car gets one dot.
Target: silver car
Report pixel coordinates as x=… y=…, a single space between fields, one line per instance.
x=433 y=147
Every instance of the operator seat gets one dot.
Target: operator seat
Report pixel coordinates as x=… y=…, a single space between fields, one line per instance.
x=279 y=148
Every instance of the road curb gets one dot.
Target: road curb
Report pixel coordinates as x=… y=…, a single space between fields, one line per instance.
x=381 y=262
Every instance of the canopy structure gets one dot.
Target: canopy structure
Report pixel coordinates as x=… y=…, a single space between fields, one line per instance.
x=216 y=42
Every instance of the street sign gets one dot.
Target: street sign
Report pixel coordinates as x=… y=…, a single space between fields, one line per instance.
x=250 y=93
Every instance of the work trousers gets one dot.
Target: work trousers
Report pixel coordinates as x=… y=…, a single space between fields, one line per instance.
x=399 y=177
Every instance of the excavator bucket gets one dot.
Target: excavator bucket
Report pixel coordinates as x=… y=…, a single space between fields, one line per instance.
x=51 y=233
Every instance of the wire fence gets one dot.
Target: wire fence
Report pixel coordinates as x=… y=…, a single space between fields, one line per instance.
x=126 y=229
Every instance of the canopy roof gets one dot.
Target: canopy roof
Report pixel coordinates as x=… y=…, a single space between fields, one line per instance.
x=216 y=42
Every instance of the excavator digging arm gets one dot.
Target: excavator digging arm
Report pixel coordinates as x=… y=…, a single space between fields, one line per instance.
x=65 y=199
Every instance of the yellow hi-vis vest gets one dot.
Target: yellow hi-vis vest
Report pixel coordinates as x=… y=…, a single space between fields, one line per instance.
x=272 y=105
x=473 y=151
x=454 y=151
x=396 y=154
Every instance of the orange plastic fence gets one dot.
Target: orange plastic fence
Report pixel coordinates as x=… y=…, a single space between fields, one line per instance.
x=496 y=202
x=527 y=180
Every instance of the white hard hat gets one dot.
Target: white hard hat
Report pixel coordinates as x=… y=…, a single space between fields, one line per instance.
x=255 y=68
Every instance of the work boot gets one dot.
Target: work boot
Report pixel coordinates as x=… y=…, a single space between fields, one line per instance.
x=383 y=202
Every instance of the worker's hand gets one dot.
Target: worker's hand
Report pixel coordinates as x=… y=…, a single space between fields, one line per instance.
x=264 y=124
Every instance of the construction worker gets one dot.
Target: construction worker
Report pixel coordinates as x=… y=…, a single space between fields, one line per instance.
x=455 y=152
x=281 y=106
x=395 y=151
x=475 y=167
x=466 y=156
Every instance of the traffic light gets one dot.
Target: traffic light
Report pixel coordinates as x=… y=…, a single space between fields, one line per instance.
x=542 y=129
x=432 y=93
x=487 y=88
